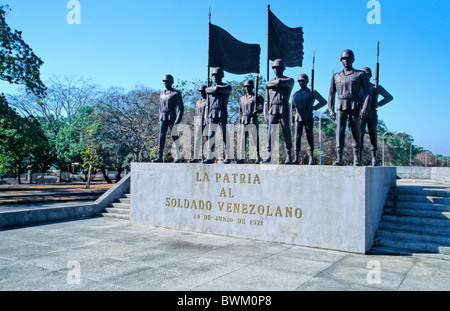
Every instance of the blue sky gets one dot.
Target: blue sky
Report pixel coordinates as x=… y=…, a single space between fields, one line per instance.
x=123 y=43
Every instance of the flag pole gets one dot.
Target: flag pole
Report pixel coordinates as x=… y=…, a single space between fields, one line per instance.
x=312 y=72
x=256 y=89
x=268 y=37
x=377 y=70
x=209 y=40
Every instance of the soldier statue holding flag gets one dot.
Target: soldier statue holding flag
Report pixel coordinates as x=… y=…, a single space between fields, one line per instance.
x=216 y=112
x=276 y=108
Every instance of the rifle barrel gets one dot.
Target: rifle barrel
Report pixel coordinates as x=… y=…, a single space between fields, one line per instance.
x=377 y=72
x=312 y=71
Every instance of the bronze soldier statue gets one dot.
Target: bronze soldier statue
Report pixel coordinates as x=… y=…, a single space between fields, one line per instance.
x=250 y=106
x=199 y=124
x=372 y=117
x=302 y=107
x=217 y=97
x=276 y=107
x=348 y=84
x=171 y=110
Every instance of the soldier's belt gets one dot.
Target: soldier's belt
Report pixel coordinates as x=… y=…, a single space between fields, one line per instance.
x=348 y=96
x=303 y=109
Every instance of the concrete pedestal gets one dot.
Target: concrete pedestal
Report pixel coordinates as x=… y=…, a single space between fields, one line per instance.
x=318 y=206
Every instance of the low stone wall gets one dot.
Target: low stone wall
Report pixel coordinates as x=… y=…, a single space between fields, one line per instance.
x=440 y=173
x=44 y=215
x=35 y=215
x=435 y=173
x=318 y=206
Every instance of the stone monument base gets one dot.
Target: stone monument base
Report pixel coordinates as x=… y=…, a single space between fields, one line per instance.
x=326 y=207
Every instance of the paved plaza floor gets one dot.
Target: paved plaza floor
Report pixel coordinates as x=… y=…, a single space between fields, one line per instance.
x=106 y=254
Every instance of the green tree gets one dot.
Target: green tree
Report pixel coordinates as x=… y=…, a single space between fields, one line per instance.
x=90 y=141
x=400 y=145
x=22 y=140
x=18 y=63
x=64 y=138
x=61 y=114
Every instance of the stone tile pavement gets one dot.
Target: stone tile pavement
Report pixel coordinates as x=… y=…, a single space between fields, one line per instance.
x=105 y=254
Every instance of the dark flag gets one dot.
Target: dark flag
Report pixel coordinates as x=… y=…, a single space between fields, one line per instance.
x=284 y=42
x=231 y=54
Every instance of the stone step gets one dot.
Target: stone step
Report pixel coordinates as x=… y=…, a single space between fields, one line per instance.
x=43 y=198
x=127 y=200
x=417 y=213
x=418 y=198
x=381 y=250
x=116 y=210
x=422 y=221
x=412 y=246
x=419 y=192
x=389 y=225
x=121 y=205
x=119 y=216
x=119 y=209
x=418 y=205
x=441 y=240
x=416 y=220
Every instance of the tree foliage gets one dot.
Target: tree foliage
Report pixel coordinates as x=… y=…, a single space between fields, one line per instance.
x=130 y=119
x=23 y=144
x=18 y=63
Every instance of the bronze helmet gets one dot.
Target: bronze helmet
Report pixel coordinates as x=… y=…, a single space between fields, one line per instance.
x=279 y=63
x=303 y=77
x=348 y=54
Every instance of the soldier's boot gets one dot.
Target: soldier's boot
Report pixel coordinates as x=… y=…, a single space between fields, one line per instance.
x=178 y=160
x=258 y=159
x=178 y=157
x=268 y=160
x=209 y=161
x=356 y=159
x=159 y=159
x=312 y=161
x=339 y=161
x=288 y=157
x=374 y=158
x=227 y=160
x=240 y=161
x=296 y=158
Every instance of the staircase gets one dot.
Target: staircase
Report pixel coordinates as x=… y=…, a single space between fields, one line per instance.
x=118 y=209
x=415 y=220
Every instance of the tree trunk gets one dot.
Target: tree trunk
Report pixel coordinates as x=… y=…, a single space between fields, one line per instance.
x=118 y=178
x=30 y=177
x=88 y=181
x=105 y=175
x=19 y=172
